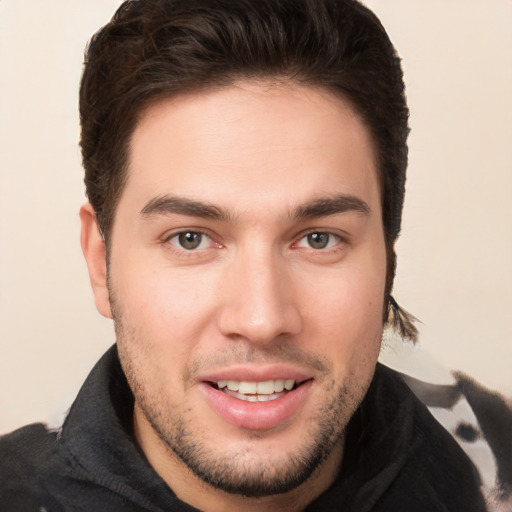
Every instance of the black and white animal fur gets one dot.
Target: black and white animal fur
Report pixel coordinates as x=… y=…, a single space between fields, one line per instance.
x=479 y=419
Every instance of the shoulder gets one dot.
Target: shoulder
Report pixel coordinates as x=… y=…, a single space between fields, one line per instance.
x=24 y=448
x=25 y=455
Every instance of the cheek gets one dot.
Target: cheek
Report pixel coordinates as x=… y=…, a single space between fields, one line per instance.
x=351 y=295
x=164 y=318
x=155 y=297
x=352 y=317
x=345 y=316
x=156 y=329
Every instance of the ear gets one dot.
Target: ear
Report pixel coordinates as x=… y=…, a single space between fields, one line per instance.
x=95 y=254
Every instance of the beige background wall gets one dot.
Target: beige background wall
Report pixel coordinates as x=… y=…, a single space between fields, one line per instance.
x=455 y=253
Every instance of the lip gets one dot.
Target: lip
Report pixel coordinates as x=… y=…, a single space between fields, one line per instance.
x=255 y=374
x=255 y=415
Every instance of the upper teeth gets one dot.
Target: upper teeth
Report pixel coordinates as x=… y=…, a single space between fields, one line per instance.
x=267 y=387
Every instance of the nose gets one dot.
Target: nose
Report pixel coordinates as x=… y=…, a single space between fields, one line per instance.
x=259 y=302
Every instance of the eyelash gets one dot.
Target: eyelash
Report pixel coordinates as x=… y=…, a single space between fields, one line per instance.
x=330 y=247
x=192 y=251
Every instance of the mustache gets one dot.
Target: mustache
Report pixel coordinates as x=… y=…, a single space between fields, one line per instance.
x=243 y=353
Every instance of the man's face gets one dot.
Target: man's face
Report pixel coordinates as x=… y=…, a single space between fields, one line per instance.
x=248 y=254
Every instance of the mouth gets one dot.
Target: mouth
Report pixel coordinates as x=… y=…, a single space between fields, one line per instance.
x=260 y=403
x=261 y=391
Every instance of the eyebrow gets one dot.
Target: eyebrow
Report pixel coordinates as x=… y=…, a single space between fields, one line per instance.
x=330 y=206
x=163 y=205
x=322 y=207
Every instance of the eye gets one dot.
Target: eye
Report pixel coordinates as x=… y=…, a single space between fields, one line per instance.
x=319 y=240
x=190 y=240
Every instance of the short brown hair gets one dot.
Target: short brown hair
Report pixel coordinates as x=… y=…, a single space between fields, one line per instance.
x=152 y=49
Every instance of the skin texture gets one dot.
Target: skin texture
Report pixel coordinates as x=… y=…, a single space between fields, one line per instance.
x=250 y=172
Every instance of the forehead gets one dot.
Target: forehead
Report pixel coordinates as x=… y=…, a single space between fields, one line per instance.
x=254 y=140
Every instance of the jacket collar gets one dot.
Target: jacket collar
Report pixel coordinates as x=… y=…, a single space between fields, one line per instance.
x=98 y=435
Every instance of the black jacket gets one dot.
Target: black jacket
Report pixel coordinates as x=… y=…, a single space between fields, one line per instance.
x=397 y=458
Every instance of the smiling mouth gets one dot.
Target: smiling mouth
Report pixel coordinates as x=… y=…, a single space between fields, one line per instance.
x=263 y=391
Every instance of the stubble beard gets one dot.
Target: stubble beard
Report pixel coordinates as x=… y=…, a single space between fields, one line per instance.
x=244 y=472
